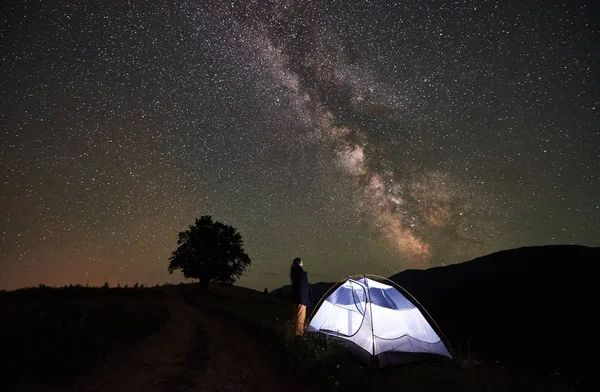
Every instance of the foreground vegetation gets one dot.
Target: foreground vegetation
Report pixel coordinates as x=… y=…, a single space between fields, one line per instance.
x=327 y=366
x=50 y=335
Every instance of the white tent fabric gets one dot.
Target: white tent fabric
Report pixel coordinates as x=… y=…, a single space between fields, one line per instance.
x=377 y=318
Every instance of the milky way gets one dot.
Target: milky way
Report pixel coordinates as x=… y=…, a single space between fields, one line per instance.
x=363 y=136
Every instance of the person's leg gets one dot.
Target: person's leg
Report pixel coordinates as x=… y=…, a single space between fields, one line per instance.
x=300 y=317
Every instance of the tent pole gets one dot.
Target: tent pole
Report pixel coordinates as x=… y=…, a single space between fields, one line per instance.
x=373 y=356
x=420 y=307
x=323 y=298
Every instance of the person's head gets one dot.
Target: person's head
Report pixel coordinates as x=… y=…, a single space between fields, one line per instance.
x=297 y=262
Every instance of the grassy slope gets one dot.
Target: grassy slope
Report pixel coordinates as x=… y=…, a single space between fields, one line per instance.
x=50 y=335
x=328 y=367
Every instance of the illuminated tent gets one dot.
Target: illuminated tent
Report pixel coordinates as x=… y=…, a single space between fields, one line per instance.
x=376 y=321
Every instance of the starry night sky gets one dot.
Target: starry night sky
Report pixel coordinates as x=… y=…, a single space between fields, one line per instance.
x=362 y=136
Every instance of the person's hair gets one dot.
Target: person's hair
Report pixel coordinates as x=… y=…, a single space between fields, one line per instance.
x=295 y=263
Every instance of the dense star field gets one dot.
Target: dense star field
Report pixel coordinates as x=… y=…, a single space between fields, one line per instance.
x=363 y=136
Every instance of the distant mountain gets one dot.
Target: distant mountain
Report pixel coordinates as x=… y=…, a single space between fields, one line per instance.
x=530 y=306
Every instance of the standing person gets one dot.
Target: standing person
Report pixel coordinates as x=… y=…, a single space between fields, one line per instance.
x=301 y=296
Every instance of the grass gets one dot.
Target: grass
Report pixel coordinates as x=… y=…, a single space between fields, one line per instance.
x=50 y=335
x=325 y=365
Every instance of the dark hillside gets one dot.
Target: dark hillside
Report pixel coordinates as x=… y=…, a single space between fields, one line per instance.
x=48 y=336
x=528 y=306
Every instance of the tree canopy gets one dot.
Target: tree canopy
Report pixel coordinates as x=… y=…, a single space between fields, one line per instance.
x=210 y=251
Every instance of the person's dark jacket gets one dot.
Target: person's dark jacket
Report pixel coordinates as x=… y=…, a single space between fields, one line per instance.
x=301 y=293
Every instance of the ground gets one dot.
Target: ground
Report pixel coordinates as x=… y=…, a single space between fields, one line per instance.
x=194 y=351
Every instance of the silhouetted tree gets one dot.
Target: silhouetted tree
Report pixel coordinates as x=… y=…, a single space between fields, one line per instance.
x=210 y=251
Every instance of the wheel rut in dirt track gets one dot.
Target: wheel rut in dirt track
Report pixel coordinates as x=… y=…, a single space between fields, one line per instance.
x=236 y=361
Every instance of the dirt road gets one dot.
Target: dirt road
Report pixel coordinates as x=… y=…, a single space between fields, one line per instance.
x=195 y=351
